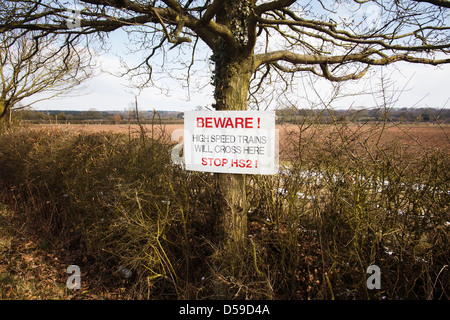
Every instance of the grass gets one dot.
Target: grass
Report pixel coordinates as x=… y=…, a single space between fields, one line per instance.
x=110 y=202
x=34 y=268
x=27 y=268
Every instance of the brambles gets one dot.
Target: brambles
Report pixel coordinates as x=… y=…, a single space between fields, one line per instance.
x=346 y=197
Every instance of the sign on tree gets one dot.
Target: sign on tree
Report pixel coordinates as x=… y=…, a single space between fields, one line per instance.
x=243 y=142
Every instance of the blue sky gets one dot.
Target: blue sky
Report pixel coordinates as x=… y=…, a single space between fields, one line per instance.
x=107 y=91
x=425 y=86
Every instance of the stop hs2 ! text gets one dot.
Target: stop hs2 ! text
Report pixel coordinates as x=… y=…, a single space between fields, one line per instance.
x=234 y=163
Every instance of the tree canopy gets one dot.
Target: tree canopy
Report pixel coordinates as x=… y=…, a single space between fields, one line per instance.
x=33 y=63
x=336 y=40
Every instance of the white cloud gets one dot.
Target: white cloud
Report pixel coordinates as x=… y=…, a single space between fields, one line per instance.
x=425 y=86
x=110 y=92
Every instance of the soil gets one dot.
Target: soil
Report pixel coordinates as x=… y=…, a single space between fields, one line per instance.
x=413 y=136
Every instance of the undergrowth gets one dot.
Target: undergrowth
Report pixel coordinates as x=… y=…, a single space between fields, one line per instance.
x=339 y=204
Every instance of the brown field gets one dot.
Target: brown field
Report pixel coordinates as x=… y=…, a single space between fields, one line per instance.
x=411 y=138
x=414 y=137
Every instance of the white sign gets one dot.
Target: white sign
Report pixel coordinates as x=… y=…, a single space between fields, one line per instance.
x=243 y=142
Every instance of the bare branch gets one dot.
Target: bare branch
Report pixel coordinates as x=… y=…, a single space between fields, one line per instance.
x=213 y=8
x=274 y=5
x=352 y=76
x=439 y=3
x=283 y=36
x=288 y=56
x=36 y=63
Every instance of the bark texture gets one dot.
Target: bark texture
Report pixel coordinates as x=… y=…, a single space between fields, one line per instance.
x=231 y=78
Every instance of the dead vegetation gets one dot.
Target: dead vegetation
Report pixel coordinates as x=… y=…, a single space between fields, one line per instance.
x=346 y=197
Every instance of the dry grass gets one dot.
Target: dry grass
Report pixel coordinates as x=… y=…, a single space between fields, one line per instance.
x=34 y=268
x=347 y=197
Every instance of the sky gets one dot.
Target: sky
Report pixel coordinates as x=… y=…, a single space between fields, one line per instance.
x=421 y=86
x=109 y=92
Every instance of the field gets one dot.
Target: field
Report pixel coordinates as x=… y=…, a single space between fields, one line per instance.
x=416 y=136
x=108 y=199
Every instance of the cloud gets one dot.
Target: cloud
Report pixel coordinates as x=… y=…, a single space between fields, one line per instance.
x=424 y=86
x=109 y=92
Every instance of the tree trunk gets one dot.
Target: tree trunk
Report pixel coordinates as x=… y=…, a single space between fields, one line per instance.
x=10 y=117
x=230 y=221
x=231 y=93
x=3 y=108
x=231 y=79
x=231 y=218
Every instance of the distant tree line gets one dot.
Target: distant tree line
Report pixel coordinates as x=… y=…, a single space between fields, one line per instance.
x=95 y=116
x=398 y=115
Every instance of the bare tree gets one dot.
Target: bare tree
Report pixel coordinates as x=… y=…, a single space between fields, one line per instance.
x=256 y=43
x=32 y=63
